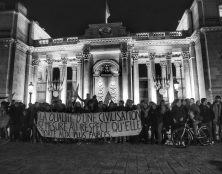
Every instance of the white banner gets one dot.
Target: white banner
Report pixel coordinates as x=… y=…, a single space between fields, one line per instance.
x=89 y=125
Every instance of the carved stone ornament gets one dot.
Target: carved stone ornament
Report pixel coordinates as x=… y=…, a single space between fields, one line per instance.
x=177 y=63
x=105 y=31
x=135 y=55
x=35 y=61
x=64 y=60
x=86 y=56
x=152 y=56
x=49 y=59
x=163 y=63
x=148 y=64
x=106 y=67
x=186 y=55
x=162 y=91
x=55 y=93
x=168 y=55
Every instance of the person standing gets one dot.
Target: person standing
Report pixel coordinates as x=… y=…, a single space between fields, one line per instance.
x=153 y=121
x=85 y=101
x=4 y=119
x=217 y=122
x=145 y=120
x=193 y=111
x=161 y=111
x=178 y=114
x=207 y=115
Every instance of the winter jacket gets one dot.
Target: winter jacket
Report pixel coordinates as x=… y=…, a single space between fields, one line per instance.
x=206 y=113
x=178 y=113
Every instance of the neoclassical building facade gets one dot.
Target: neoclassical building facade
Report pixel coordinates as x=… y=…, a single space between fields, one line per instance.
x=147 y=66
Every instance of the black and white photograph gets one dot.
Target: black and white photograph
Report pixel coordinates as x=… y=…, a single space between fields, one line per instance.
x=110 y=87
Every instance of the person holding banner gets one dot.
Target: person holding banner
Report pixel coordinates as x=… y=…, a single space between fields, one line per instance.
x=130 y=107
x=77 y=108
x=100 y=107
x=85 y=101
x=121 y=106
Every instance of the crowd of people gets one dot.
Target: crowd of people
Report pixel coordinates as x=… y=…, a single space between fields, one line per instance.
x=18 y=123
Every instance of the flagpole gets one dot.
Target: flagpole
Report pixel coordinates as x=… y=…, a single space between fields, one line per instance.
x=106 y=13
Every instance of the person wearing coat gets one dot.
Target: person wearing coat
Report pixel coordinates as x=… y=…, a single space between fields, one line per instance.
x=207 y=115
x=145 y=120
x=178 y=114
x=217 y=122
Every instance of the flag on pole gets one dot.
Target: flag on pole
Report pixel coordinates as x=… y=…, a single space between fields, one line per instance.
x=107 y=15
x=76 y=92
x=10 y=98
x=107 y=98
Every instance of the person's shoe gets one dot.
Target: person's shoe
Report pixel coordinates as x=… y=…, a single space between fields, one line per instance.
x=183 y=144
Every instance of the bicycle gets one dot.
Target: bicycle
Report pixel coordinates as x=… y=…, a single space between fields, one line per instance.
x=185 y=135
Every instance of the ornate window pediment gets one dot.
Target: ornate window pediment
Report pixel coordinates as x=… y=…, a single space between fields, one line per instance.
x=106 y=67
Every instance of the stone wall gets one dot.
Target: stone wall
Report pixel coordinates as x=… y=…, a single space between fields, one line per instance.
x=4 y=68
x=200 y=69
x=22 y=28
x=6 y=24
x=214 y=47
x=19 y=75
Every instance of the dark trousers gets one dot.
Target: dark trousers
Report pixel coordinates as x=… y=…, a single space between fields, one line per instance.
x=14 y=131
x=159 y=129
x=144 y=133
x=210 y=128
x=154 y=132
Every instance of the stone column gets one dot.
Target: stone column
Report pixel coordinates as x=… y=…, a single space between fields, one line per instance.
x=63 y=78
x=74 y=73
x=80 y=75
x=49 y=69
x=136 y=88
x=35 y=63
x=86 y=75
x=193 y=73
x=170 y=78
x=125 y=74
x=187 y=80
x=152 y=94
x=79 y=78
x=163 y=65
x=179 y=77
x=28 y=77
x=74 y=76
x=177 y=65
x=48 y=81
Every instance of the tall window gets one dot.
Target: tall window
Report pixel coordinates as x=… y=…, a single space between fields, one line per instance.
x=143 y=82
x=70 y=85
x=220 y=11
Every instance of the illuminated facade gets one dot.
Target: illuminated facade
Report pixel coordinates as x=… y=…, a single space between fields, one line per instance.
x=151 y=66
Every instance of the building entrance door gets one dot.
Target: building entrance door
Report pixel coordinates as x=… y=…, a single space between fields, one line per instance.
x=104 y=84
x=106 y=79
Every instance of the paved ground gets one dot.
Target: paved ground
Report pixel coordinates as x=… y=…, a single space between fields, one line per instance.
x=22 y=158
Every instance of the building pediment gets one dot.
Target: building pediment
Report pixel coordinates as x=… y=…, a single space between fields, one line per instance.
x=105 y=31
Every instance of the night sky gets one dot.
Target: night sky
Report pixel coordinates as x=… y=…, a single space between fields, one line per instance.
x=63 y=18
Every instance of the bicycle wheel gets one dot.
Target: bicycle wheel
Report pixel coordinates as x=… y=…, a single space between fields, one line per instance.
x=203 y=136
x=181 y=137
